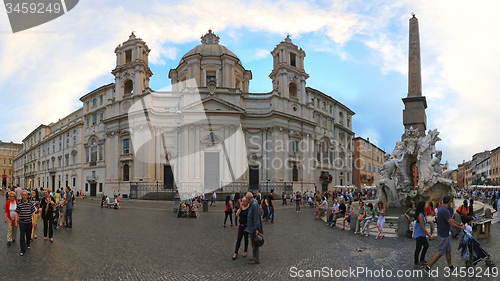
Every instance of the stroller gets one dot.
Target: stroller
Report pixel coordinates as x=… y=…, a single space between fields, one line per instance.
x=56 y=217
x=472 y=251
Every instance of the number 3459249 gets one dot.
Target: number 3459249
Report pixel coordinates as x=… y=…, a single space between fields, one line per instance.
x=477 y=272
x=33 y=8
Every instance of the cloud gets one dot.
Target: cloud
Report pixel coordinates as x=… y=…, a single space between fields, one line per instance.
x=261 y=53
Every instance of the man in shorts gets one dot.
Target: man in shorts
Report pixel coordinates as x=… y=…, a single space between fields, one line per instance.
x=444 y=222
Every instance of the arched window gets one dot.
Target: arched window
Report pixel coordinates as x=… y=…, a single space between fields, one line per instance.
x=93 y=150
x=126 y=172
x=94 y=102
x=129 y=87
x=292 y=90
x=324 y=151
x=128 y=56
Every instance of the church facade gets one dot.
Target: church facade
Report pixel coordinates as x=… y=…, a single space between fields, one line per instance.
x=208 y=132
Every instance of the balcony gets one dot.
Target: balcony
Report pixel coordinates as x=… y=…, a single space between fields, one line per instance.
x=126 y=157
x=93 y=179
x=52 y=170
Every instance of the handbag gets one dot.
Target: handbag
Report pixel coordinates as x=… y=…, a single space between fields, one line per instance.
x=409 y=233
x=258 y=240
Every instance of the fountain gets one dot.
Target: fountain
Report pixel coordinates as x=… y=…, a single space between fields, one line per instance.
x=413 y=171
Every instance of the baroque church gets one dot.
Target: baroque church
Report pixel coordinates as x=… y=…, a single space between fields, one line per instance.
x=208 y=133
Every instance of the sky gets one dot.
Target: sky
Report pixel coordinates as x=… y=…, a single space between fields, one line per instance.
x=356 y=52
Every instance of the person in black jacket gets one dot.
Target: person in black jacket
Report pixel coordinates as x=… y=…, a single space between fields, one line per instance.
x=47 y=206
x=242 y=214
x=254 y=225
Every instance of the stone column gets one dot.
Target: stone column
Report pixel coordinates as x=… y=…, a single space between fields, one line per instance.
x=287 y=165
x=197 y=156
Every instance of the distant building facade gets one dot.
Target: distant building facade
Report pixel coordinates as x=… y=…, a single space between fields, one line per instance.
x=495 y=163
x=367 y=162
x=477 y=170
x=461 y=175
x=51 y=155
x=8 y=151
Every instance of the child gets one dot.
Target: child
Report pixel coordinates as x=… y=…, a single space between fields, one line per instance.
x=468 y=226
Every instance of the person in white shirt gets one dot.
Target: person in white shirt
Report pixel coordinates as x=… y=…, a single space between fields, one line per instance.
x=214 y=197
x=335 y=208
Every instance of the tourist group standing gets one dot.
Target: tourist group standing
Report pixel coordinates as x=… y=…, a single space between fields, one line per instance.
x=23 y=209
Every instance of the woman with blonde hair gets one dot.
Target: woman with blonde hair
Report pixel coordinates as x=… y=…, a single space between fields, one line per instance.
x=10 y=214
x=47 y=206
x=36 y=202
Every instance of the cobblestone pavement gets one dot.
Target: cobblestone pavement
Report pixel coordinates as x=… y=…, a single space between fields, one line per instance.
x=144 y=241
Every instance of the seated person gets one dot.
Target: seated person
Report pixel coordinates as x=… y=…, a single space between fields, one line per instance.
x=103 y=199
x=107 y=200
x=340 y=213
x=410 y=214
x=349 y=211
x=335 y=209
x=322 y=209
x=117 y=201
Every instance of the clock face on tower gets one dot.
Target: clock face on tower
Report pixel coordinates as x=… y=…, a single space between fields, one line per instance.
x=126 y=106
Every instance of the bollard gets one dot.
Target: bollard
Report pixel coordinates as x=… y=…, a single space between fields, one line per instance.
x=205 y=206
x=403 y=225
x=354 y=218
x=488 y=214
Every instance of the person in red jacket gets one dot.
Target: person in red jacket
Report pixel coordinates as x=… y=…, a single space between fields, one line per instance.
x=10 y=217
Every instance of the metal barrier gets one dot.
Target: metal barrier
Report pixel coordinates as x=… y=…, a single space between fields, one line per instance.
x=157 y=191
x=150 y=191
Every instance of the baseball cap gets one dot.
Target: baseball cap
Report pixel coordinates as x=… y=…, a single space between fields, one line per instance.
x=446 y=199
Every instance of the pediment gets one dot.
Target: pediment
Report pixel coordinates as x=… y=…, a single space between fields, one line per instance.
x=213 y=105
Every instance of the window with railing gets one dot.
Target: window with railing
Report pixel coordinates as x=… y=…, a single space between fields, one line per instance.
x=126 y=146
x=93 y=152
x=295 y=148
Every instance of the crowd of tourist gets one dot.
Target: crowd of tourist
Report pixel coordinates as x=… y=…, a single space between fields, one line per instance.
x=23 y=209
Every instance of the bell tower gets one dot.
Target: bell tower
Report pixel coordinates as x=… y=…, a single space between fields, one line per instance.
x=288 y=75
x=132 y=72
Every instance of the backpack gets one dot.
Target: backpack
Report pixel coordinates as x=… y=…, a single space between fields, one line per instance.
x=72 y=197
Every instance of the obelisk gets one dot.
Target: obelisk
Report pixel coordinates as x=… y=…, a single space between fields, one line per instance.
x=415 y=104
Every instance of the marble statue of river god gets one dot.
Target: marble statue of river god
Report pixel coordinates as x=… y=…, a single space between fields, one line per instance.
x=413 y=171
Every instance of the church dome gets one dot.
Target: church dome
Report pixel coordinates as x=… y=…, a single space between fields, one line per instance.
x=211 y=63
x=209 y=47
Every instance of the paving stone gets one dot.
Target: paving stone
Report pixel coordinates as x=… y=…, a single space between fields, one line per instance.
x=144 y=241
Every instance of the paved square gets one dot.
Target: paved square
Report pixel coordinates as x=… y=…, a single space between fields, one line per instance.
x=144 y=241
